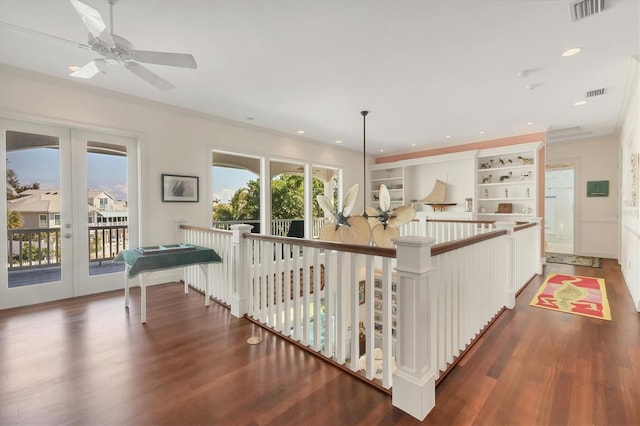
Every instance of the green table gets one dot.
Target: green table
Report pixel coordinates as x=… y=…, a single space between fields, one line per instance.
x=143 y=260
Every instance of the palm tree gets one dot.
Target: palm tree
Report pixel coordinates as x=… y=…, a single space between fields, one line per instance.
x=14 y=219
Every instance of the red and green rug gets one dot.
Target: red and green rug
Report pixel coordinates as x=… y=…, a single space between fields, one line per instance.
x=575 y=295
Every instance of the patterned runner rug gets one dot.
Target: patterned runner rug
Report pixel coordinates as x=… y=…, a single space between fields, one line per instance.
x=572 y=259
x=575 y=295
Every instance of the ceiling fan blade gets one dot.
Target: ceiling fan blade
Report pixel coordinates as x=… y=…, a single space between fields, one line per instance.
x=183 y=60
x=151 y=78
x=29 y=30
x=93 y=21
x=91 y=69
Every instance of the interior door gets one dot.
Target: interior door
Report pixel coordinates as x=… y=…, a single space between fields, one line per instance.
x=38 y=221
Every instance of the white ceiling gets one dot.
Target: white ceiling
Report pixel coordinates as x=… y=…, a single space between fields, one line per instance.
x=424 y=69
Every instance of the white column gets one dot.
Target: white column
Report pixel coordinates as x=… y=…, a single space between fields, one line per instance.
x=510 y=285
x=414 y=388
x=241 y=263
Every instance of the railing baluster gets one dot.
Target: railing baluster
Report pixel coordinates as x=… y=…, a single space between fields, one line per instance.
x=354 y=309
x=317 y=303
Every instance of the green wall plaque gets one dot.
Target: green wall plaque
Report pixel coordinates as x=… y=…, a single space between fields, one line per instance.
x=598 y=188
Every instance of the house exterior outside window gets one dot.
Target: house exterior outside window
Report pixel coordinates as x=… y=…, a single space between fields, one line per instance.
x=104 y=203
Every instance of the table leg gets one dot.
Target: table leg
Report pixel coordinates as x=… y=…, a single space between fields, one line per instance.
x=126 y=286
x=143 y=300
x=185 y=274
x=207 y=291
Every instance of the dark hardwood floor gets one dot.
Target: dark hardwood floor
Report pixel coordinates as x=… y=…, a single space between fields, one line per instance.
x=88 y=361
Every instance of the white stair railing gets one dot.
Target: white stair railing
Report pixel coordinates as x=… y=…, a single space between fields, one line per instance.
x=420 y=319
x=219 y=274
x=443 y=231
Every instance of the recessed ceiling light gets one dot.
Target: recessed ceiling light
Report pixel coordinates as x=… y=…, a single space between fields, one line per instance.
x=448 y=136
x=571 y=52
x=381 y=150
x=301 y=131
x=413 y=144
x=338 y=142
x=530 y=123
x=482 y=132
x=73 y=68
x=578 y=103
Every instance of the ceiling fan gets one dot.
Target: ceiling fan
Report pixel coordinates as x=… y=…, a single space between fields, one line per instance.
x=115 y=49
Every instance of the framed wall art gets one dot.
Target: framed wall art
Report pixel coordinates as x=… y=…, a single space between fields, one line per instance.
x=181 y=189
x=598 y=188
x=361 y=291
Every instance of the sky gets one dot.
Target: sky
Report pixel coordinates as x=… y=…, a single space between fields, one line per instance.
x=105 y=172
x=108 y=173
x=226 y=181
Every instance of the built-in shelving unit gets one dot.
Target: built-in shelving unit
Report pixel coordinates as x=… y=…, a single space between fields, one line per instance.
x=507 y=182
x=377 y=286
x=393 y=179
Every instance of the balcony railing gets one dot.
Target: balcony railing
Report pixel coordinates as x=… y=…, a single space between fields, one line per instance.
x=41 y=247
x=32 y=248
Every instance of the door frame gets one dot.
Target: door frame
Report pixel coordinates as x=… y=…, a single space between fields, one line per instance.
x=69 y=133
x=576 y=208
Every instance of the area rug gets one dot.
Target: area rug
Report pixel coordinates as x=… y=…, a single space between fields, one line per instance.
x=572 y=259
x=575 y=295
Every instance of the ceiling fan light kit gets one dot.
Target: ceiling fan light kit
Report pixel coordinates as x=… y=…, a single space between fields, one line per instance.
x=115 y=49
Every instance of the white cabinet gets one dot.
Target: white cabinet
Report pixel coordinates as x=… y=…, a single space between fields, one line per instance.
x=507 y=185
x=393 y=179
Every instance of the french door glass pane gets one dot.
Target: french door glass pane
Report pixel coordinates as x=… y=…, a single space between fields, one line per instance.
x=33 y=208
x=107 y=207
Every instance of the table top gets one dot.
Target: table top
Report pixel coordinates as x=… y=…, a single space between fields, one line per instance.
x=140 y=262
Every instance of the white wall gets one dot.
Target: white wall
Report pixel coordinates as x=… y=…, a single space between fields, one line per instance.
x=172 y=140
x=458 y=174
x=596 y=159
x=629 y=214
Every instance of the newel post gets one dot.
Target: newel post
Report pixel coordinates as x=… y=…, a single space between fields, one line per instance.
x=240 y=259
x=510 y=285
x=414 y=388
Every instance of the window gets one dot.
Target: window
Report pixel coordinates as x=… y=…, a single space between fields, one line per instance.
x=56 y=219
x=42 y=221
x=90 y=220
x=104 y=203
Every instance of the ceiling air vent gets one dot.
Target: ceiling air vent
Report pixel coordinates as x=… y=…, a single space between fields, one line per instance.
x=567 y=133
x=594 y=93
x=585 y=8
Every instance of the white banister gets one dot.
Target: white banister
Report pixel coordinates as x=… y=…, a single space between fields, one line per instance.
x=401 y=329
x=240 y=261
x=510 y=290
x=414 y=380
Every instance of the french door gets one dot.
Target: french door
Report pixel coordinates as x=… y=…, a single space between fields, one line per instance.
x=70 y=205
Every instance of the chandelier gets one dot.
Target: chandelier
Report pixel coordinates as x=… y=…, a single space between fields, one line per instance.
x=378 y=225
